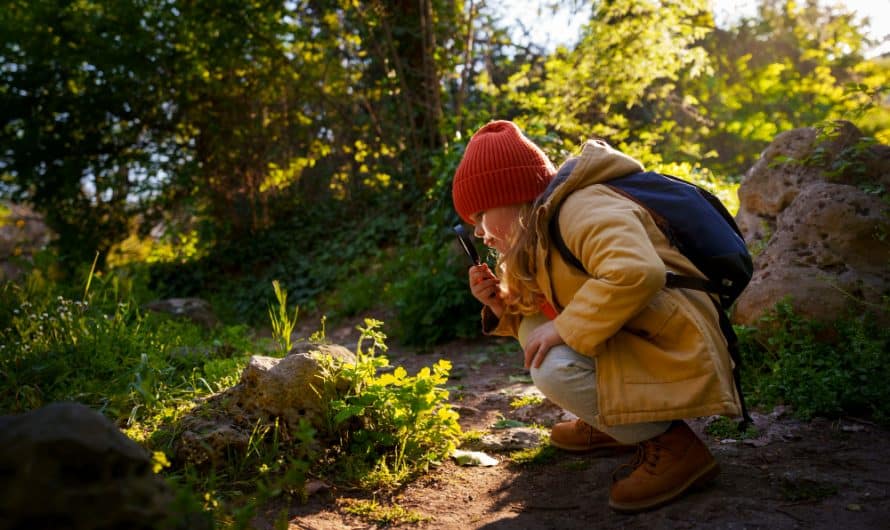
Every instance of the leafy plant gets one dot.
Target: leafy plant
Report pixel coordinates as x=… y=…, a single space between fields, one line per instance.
x=431 y=297
x=538 y=455
x=389 y=425
x=817 y=368
x=531 y=399
x=282 y=323
x=724 y=428
x=373 y=511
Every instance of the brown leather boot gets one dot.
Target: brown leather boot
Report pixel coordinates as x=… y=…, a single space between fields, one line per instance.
x=580 y=437
x=666 y=467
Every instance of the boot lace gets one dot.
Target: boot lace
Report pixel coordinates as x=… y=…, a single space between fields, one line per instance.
x=648 y=454
x=584 y=429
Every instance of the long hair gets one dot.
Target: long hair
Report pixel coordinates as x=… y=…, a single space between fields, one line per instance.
x=518 y=265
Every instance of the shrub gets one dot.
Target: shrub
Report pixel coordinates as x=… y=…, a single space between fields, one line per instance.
x=387 y=425
x=817 y=368
x=431 y=297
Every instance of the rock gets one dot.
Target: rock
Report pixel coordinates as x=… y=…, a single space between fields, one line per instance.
x=22 y=233
x=67 y=466
x=195 y=309
x=282 y=388
x=820 y=232
x=512 y=439
x=270 y=389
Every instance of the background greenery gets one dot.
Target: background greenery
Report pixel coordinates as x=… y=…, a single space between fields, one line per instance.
x=211 y=148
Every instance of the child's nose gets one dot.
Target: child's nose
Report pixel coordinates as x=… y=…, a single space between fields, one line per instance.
x=478 y=231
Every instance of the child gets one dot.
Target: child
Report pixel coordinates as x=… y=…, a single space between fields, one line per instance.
x=626 y=355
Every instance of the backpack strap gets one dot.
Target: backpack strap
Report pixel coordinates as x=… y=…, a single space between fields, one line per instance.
x=671 y=279
x=732 y=344
x=680 y=282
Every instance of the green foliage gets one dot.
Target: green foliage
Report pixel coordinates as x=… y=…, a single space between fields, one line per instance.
x=534 y=456
x=431 y=297
x=818 y=369
x=100 y=350
x=793 y=65
x=850 y=165
x=282 y=323
x=383 y=515
x=724 y=428
x=524 y=401
x=145 y=371
x=389 y=425
x=84 y=106
x=589 y=90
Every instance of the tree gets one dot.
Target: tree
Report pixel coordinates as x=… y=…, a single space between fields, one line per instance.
x=84 y=114
x=793 y=65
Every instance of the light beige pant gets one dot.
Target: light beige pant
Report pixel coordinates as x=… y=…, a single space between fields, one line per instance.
x=568 y=379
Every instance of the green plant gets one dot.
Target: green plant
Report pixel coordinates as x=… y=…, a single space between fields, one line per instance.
x=430 y=295
x=538 y=455
x=388 y=426
x=724 y=428
x=529 y=400
x=374 y=512
x=282 y=323
x=818 y=368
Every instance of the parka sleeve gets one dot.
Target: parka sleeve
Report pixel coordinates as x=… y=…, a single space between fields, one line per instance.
x=625 y=271
x=506 y=326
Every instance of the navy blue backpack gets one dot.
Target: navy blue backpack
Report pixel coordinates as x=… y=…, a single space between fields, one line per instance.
x=699 y=226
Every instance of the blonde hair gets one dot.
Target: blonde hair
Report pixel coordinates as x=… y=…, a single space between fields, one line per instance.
x=518 y=266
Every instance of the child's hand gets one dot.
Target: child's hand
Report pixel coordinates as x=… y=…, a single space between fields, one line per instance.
x=486 y=288
x=539 y=342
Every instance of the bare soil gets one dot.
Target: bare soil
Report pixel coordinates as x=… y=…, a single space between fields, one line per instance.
x=817 y=474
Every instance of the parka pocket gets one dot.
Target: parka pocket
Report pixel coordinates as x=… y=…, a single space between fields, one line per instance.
x=654 y=318
x=662 y=345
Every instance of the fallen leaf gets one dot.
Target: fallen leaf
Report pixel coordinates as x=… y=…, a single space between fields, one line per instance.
x=473 y=458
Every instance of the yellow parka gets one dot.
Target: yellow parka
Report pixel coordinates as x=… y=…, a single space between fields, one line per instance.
x=660 y=354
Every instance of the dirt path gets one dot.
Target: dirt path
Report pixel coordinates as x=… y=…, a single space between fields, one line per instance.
x=821 y=474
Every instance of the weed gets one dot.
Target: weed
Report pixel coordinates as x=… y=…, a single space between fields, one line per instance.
x=504 y=423
x=538 y=455
x=282 y=323
x=472 y=436
x=524 y=401
x=726 y=428
x=374 y=512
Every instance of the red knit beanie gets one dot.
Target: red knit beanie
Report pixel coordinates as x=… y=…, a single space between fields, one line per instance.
x=500 y=167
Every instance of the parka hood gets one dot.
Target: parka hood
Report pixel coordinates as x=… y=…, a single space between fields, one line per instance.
x=598 y=162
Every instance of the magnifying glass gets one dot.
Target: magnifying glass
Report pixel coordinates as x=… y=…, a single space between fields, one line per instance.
x=467 y=243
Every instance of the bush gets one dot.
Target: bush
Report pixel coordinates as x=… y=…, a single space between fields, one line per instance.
x=388 y=425
x=432 y=299
x=818 y=369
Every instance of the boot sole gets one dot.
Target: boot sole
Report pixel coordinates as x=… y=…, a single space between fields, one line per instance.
x=581 y=449
x=701 y=479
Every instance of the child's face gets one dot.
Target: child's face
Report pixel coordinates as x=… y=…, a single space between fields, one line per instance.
x=495 y=226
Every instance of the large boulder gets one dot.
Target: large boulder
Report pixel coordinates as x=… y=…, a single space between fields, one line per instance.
x=67 y=466
x=815 y=212
x=283 y=389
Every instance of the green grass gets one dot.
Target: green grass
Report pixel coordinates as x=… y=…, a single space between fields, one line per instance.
x=146 y=371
